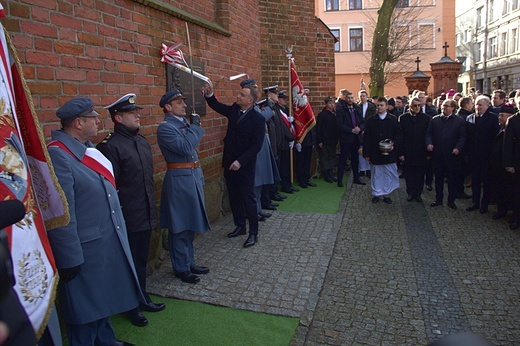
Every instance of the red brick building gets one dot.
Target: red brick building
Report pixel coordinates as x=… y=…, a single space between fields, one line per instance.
x=106 y=48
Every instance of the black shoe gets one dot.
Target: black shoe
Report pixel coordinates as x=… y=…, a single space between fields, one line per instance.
x=238 y=231
x=303 y=185
x=261 y=218
x=195 y=269
x=463 y=195
x=435 y=204
x=275 y=204
x=188 y=277
x=452 y=205
x=310 y=183
x=123 y=343
x=387 y=200
x=265 y=214
x=429 y=187
x=473 y=206
x=251 y=240
x=359 y=182
x=269 y=207
x=137 y=318
x=287 y=190
x=409 y=198
x=293 y=189
x=340 y=184
x=152 y=307
x=375 y=199
x=483 y=209
x=278 y=198
x=418 y=198
x=498 y=215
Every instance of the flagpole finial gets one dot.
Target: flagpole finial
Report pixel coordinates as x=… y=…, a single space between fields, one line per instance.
x=288 y=51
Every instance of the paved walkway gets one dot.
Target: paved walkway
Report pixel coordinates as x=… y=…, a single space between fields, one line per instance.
x=372 y=274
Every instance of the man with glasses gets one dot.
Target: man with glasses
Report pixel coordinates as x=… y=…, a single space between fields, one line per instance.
x=446 y=138
x=131 y=158
x=414 y=155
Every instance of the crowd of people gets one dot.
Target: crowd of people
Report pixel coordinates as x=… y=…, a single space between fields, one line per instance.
x=465 y=141
x=101 y=254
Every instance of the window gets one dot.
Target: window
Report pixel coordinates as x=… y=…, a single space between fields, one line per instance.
x=402 y=36
x=480 y=53
x=332 y=5
x=493 y=53
x=514 y=5
x=426 y=36
x=336 y=34
x=467 y=35
x=491 y=5
x=356 y=40
x=514 y=39
x=503 y=44
x=479 y=22
x=457 y=39
x=354 y=5
x=403 y=3
x=505 y=7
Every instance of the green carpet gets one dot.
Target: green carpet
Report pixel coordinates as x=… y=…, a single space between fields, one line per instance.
x=322 y=199
x=193 y=323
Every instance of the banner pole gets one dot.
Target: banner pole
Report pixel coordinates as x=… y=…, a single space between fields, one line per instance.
x=192 y=67
x=289 y=50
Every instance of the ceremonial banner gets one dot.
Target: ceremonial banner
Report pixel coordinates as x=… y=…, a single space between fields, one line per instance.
x=26 y=176
x=304 y=119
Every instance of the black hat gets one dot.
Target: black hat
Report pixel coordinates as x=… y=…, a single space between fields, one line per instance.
x=124 y=104
x=328 y=99
x=169 y=97
x=391 y=101
x=249 y=81
x=271 y=89
x=512 y=94
x=507 y=108
x=77 y=107
x=282 y=94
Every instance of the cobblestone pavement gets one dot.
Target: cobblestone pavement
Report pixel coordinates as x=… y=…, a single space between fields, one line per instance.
x=373 y=274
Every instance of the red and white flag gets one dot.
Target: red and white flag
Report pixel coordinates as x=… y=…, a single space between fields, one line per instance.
x=304 y=119
x=27 y=175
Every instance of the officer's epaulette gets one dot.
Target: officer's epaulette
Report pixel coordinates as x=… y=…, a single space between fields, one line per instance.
x=104 y=141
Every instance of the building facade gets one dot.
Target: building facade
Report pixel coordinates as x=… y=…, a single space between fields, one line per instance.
x=420 y=29
x=488 y=44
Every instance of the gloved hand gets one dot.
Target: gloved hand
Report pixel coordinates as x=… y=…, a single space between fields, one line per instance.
x=291 y=144
x=195 y=119
x=299 y=147
x=270 y=103
x=67 y=274
x=291 y=119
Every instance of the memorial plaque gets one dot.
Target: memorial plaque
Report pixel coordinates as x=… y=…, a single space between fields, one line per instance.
x=178 y=79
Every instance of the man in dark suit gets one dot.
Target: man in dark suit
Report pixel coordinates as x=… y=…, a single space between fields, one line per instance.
x=446 y=138
x=327 y=139
x=350 y=125
x=481 y=129
x=414 y=155
x=244 y=138
x=512 y=160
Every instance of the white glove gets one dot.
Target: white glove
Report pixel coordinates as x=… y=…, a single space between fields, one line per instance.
x=299 y=147
x=291 y=144
x=291 y=119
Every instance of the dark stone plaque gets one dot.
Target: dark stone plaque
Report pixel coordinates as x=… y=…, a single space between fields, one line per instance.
x=178 y=79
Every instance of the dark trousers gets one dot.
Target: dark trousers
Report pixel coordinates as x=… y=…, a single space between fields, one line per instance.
x=242 y=198
x=345 y=150
x=480 y=183
x=99 y=333
x=285 y=169
x=428 y=180
x=303 y=164
x=139 y=245
x=440 y=173
x=180 y=246
x=265 y=199
x=414 y=178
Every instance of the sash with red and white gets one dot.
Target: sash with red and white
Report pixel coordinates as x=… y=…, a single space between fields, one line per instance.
x=93 y=159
